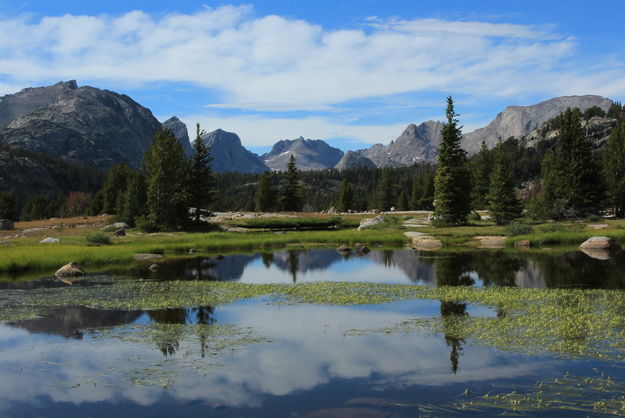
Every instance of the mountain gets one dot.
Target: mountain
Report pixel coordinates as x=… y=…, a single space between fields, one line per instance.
x=352 y=159
x=520 y=121
x=229 y=155
x=179 y=129
x=81 y=124
x=310 y=154
x=418 y=143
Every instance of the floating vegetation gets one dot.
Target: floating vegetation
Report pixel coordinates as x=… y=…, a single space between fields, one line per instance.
x=569 y=323
x=592 y=395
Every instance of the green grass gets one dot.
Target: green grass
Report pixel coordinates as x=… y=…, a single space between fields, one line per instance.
x=295 y=223
x=566 y=237
x=32 y=256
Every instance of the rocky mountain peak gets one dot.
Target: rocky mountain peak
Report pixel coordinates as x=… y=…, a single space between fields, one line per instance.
x=352 y=159
x=229 y=155
x=310 y=154
x=179 y=129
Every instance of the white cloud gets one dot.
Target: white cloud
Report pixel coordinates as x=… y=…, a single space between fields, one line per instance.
x=277 y=63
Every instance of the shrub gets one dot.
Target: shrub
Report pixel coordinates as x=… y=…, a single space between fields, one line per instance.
x=594 y=218
x=98 y=239
x=518 y=229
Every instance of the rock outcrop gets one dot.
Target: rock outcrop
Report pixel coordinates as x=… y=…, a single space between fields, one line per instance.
x=229 y=155
x=310 y=154
x=369 y=222
x=352 y=159
x=179 y=129
x=418 y=143
x=70 y=269
x=520 y=121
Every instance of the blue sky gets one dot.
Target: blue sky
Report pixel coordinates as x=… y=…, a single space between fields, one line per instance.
x=350 y=72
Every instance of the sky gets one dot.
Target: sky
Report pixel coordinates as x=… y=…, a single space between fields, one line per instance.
x=351 y=72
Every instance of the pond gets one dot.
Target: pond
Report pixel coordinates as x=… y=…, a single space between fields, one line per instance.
x=138 y=343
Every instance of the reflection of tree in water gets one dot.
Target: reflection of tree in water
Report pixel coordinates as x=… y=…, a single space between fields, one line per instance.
x=267 y=259
x=453 y=271
x=169 y=341
x=293 y=262
x=387 y=256
x=497 y=268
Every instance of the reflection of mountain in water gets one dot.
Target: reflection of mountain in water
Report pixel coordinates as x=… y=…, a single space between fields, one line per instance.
x=70 y=322
x=308 y=260
x=416 y=268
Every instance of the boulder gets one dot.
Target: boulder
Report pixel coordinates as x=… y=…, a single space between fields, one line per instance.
x=369 y=222
x=602 y=255
x=333 y=211
x=422 y=241
x=597 y=226
x=600 y=243
x=522 y=244
x=50 y=240
x=140 y=257
x=32 y=231
x=361 y=249
x=343 y=249
x=494 y=241
x=120 y=225
x=120 y=232
x=154 y=267
x=6 y=225
x=70 y=269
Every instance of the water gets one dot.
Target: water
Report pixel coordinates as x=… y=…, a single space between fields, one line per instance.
x=285 y=360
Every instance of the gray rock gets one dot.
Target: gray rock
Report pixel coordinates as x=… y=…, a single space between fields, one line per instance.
x=6 y=225
x=49 y=240
x=120 y=225
x=30 y=231
x=141 y=257
x=179 y=129
x=600 y=243
x=361 y=248
x=310 y=154
x=353 y=159
x=154 y=267
x=83 y=124
x=519 y=121
x=70 y=269
x=120 y=233
x=418 y=143
x=369 y=222
x=229 y=155
x=344 y=249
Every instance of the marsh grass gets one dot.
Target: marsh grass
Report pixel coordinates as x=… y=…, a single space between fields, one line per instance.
x=32 y=256
x=296 y=223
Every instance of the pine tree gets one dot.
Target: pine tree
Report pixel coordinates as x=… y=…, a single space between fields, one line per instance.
x=614 y=169
x=114 y=189
x=402 y=201
x=8 y=206
x=201 y=181
x=135 y=199
x=572 y=183
x=292 y=195
x=386 y=198
x=266 y=194
x=481 y=170
x=166 y=170
x=452 y=195
x=346 y=197
x=502 y=202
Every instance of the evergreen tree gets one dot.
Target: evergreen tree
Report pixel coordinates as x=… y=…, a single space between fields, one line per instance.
x=402 y=201
x=571 y=177
x=615 y=111
x=114 y=189
x=266 y=194
x=481 y=170
x=292 y=197
x=166 y=170
x=346 y=197
x=386 y=198
x=8 y=206
x=135 y=199
x=502 y=202
x=452 y=188
x=614 y=169
x=201 y=179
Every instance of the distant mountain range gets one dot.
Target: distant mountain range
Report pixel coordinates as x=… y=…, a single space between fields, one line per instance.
x=100 y=128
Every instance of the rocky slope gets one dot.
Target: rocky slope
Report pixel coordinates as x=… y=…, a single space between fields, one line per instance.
x=519 y=121
x=179 y=129
x=352 y=159
x=229 y=155
x=418 y=143
x=83 y=124
x=310 y=154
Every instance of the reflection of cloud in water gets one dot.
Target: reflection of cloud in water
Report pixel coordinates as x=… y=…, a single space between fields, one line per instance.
x=309 y=348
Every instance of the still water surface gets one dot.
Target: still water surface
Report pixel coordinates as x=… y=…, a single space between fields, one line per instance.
x=293 y=360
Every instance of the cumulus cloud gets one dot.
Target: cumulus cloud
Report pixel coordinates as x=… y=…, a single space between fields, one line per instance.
x=278 y=63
